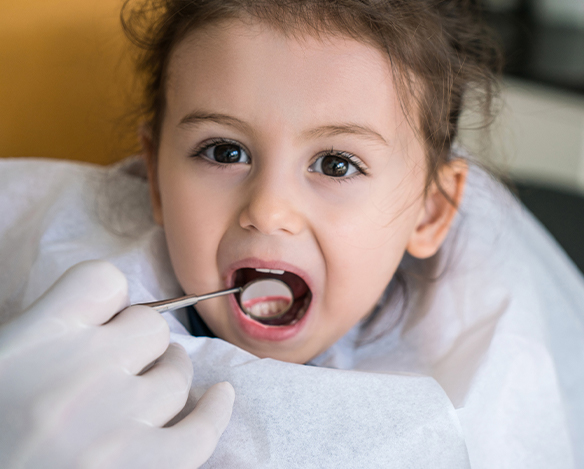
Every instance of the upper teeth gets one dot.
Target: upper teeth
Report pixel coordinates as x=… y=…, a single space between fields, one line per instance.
x=270 y=271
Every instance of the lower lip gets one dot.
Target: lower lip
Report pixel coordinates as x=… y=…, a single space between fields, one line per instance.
x=260 y=331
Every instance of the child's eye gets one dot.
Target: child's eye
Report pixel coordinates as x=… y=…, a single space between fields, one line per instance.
x=337 y=165
x=224 y=152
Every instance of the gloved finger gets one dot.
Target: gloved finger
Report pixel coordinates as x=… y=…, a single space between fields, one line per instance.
x=134 y=338
x=166 y=387
x=89 y=293
x=186 y=445
x=196 y=436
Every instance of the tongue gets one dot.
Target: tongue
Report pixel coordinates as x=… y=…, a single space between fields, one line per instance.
x=296 y=284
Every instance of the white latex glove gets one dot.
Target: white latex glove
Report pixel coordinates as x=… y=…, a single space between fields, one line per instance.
x=71 y=389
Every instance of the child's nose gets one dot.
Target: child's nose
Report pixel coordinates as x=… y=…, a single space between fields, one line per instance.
x=271 y=208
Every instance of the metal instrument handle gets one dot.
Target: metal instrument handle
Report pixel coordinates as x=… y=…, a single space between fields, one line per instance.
x=189 y=300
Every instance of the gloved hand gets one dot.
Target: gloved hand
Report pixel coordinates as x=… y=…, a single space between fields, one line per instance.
x=73 y=392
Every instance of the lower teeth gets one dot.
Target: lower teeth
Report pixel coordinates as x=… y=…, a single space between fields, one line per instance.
x=287 y=316
x=266 y=309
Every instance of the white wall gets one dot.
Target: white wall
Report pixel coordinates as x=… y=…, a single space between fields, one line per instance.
x=538 y=135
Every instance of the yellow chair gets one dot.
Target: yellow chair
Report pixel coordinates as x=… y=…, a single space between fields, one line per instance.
x=65 y=80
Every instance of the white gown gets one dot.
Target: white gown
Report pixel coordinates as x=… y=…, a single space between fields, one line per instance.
x=483 y=368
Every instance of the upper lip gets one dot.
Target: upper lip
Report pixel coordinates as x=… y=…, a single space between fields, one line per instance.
x=256 y=263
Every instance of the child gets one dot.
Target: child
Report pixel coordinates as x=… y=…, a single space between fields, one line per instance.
x=317 y=143
x=313 y=142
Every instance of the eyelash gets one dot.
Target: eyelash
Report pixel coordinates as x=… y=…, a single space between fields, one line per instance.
x=356 y=162
x=362 y=170
x=198 y=151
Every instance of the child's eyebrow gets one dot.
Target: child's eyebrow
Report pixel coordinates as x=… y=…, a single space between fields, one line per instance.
x=198 y=117
x=352 y=129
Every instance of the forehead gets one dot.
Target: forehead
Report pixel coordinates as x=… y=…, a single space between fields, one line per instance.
x=245 y=60
x=238 y=34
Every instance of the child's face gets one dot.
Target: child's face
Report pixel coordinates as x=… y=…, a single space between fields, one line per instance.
x=319 y=174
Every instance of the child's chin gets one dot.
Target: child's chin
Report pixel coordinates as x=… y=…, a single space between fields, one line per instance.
x=282 y=352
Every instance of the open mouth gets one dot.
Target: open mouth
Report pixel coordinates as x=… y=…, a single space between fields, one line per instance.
x=266 y=309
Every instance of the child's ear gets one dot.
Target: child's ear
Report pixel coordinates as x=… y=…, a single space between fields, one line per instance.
x=440 y=207
x=150 y=153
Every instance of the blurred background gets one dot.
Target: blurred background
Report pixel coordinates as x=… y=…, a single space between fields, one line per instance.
x=538 y=136
x=67 y=91
x=65 y=80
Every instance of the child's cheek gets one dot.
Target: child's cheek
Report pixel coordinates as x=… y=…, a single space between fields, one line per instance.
x=194 y=223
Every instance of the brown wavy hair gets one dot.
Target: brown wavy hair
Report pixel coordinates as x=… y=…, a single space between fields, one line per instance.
x=442 y=57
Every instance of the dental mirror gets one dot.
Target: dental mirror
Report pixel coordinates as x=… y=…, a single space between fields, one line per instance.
x=261 y=299
x=266 y=298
